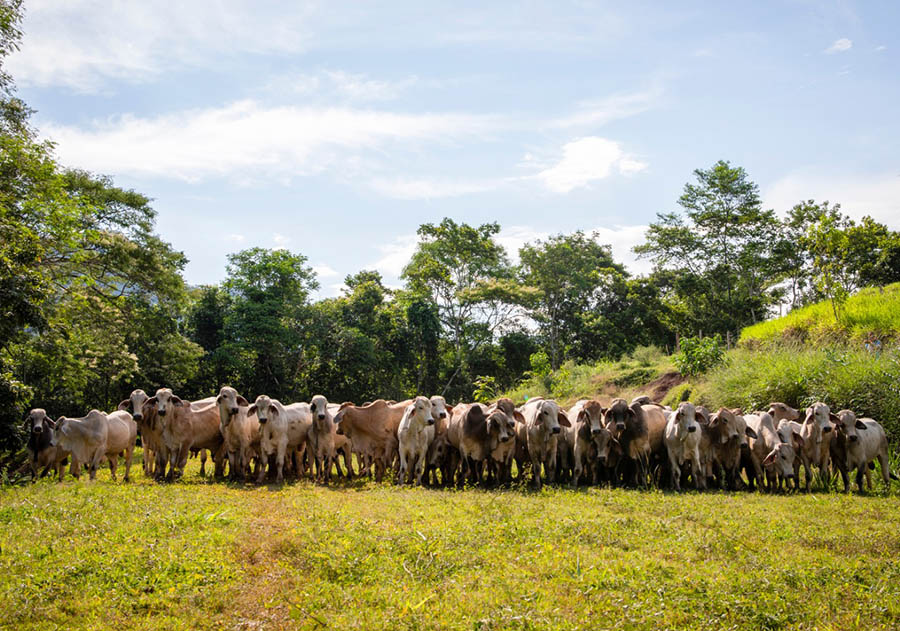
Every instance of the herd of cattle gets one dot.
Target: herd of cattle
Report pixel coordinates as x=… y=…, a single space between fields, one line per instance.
x=429 y=442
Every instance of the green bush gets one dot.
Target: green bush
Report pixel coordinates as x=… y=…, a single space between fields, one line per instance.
x=648 y=355
x=699 y=354
x=679 y=393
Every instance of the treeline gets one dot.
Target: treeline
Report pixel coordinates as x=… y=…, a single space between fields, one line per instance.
x=94 y=303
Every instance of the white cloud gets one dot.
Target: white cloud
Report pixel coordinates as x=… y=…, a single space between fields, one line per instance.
x=280 y=241
x=880 y=48
x=839 y=46
x=394 y=255
x=617 y=106
x=429 y=188
x=83 y=44
x=344 y=86
x=585 y=160
x=877 y=195
x=323 y=270
x=246 y=139
x=237 y=238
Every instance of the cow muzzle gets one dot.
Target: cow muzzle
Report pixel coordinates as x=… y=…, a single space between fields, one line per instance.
x=262 y=421
x=321 y=417
x=853 y=439
x=233 y=411
x=620 y=427
x=504 y=439
x=826 y=429
x=37 y=429
x=162 y=412
x=443 y=415
x=692 y=429
x=138 y=417
x=555 y=430
x=596 y=431
x=429 y=421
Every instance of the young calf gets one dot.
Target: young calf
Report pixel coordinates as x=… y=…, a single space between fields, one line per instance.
x=240 y=431
x=281 y=428
x=120 y=438
x=588 y=441
x=769 y=452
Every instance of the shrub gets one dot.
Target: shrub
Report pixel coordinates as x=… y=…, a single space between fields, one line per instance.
x=699 y=354
x=648 y=355
x=681 y=392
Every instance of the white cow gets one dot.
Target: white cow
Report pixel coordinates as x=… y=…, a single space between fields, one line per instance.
x=281 y=428
x=415 y=437
x=682 y=438
x=84 y=438
x=240 y=431
x=866 y=441
x=543 y=420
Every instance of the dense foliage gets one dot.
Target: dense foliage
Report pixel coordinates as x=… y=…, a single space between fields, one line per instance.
x=94 y=302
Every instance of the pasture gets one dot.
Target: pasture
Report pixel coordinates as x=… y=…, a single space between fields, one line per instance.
x=213 y=555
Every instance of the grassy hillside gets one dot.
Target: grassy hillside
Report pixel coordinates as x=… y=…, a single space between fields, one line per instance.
x=872 y=310
x=216 y=556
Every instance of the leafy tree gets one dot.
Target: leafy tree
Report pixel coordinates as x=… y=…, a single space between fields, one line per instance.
x=567 y=272
x=268 y=292
x=722 y=244
x=467 y=275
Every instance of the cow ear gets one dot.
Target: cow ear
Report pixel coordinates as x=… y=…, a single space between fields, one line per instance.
x=519 y=417
x=584 y=417
x=768 y=459
x=833 y=418
x=49 y=421
x=737 y=411
x=219 y=399
x=273 y=410
x=563 y=419
x=123 y=405
x=860 y=424
x=177 y=401
x=252 y=410
x=632 y=413
x=750 y=433
x=242 y=401
x=449 y=410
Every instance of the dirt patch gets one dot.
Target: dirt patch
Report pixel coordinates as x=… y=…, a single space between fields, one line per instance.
x=660 y=386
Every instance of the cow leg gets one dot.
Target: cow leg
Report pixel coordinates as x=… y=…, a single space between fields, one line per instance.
x=203 y=463
x=536 y=465
x=113 y=466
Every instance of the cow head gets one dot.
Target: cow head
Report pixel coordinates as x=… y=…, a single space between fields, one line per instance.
x=782 y=411
x=135 y=401
x=685 y=418
x=781 y=459
x=37 y=421
x=421 y=410
x=264 y=408
x=849 y=425
x=788 y=433
x=229 y=402
x=550 y=417
x=322 y=419
x=164 y=401
x=725 y=421
x=820 y=419
x=616 y=416
x=439 y=409
x=591 y=414
x=500 y=426
x=59 y=430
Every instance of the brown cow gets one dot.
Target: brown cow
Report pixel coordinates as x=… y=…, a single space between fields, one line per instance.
x=639 y=430
x=372 y=432
x=184 y=429
x=41 y=453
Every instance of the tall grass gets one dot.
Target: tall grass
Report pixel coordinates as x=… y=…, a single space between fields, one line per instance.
x=841 y=376
x=871 y=310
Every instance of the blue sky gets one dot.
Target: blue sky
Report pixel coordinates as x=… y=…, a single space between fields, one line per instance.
x=335 y=129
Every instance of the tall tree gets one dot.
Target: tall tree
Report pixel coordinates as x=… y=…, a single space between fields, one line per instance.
x=723 y=240
x=567 y=272
x=467 y=275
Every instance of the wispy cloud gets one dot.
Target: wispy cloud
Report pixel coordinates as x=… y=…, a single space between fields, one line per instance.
x=604 y=110
x=280 y=241
x=430 y=188
x=585 y=160
x=394 y=255
x=85 y=44
x=324 y=270
x=839 y=46
x=340 y=85
x=249 y=139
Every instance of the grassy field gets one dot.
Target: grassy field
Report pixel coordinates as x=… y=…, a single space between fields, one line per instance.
x=204 y=555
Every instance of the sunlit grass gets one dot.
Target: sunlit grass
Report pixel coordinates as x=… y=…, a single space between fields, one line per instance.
x=204 y=555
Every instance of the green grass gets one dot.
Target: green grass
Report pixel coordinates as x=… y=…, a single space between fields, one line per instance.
x=626 y=377
x=871 y=310
x=206 y=555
